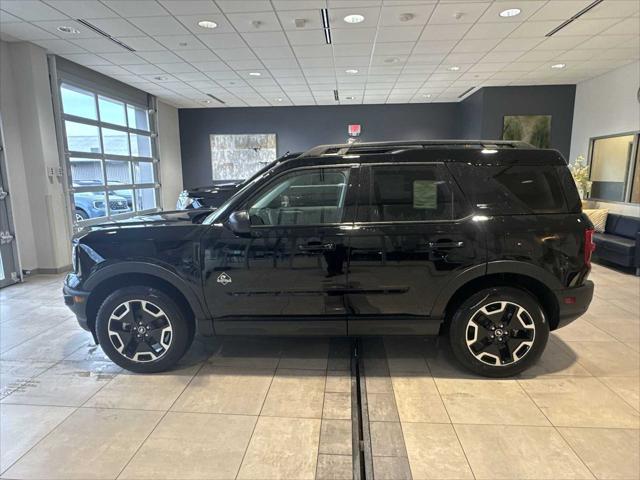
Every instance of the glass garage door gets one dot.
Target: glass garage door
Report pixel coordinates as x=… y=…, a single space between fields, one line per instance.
x=111 y=154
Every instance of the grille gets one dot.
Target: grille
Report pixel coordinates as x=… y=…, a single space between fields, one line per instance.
x=117 y=204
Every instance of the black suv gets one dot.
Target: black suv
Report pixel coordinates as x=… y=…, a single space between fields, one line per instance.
x=481 y=240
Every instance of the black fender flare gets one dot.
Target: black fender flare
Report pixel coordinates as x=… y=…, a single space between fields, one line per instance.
x=499 y=266
x=155 y=270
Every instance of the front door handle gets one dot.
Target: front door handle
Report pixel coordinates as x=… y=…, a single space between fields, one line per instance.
x=317 y=247
x=445 y=244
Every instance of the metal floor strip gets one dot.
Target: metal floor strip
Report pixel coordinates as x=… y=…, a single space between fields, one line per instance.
x=362 y=458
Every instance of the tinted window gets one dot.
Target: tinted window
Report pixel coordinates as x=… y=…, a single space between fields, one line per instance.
x=511 y=189
x=410 y=193
x=305 y=197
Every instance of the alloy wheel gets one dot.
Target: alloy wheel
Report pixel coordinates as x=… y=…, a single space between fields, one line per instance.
x=140 y=330
x=500 y=333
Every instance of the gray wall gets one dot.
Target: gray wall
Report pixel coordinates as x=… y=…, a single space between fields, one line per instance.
x=299 y=128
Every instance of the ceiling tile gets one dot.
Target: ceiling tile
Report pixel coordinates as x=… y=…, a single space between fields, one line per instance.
x=142 y=44
x=59 y=46
x=630 y=26
x=517 y=44
x=393 y=48
x=137 y=8
x=533 y=29
x=475 y=45
x=538 y=55
x=586 y=27
x=87 y=59
x=25 y=31
x=618 y=9
x=456 y=58
x=87 y=9
x=452 y=13
x=180 y=42
x=484 y=67
x=434 y=46
x=144 y=69
x=159 y=25
x=312 y=19
x=353 y=49
x=265 y=39
x=444 y=32
x=273 y=52
x=31 y=10
x=528 y=8
x=420 y=58
x=559 y=10
x=191 y=22
x=490 y=30
x=608 y=41
x=204 y=55
x=111 y=69
x=280 y=62
x=222 y=40
x=245 y=64
x=399 y=15
x=190 y=7
x=306 y=37
x=51 y=26
x=191 y=76
x=122 y=58
x=355 y=35
x=398 y=34
x=497 y=57
x=561 y=43
x=230 y=54
x=160 y=57
x=313 y=51
x=216 y=66
x=176 y=67
x=234 y=6
x=246 y=22
x=116 y=27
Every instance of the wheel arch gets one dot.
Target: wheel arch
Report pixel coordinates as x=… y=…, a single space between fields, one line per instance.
x=105 y=281
x=501 y=275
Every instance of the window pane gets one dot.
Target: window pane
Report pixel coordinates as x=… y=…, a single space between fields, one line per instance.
x=120 y=201
x=112 y=111
x=138 y=118
x=118 y=172
x=82 y=138
x=145 y=198
x=409 y=193
x=303 y=198
x=610 y=158
x=115 y=142
x=78 y=102
x=143 y=172
x=538 y=189
x=89 y=205
x=140 y=145
x=86 y=172
x=635 y=188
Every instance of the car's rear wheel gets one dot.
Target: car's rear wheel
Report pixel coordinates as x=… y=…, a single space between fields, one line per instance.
x=498 y=332
x=142 y=329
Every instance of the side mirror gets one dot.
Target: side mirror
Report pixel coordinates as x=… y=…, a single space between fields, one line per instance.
x=240 y=223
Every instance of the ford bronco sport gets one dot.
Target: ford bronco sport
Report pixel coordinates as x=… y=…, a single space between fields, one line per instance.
x=482 y=241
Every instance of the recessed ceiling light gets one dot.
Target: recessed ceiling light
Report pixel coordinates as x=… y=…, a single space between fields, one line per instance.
x=510 y=12
x=65 y=29
x=351 y=71
x=454 y=68
x=206 y=101
x=354 y=18
x=558 y=66
x=254 y=74
x=278 y=99
x=207 y=24
x=161 y=78
x=391 y=60
x=349 y=97
x=426 y=95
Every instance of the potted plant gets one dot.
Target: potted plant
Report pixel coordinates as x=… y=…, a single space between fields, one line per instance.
x=580 y=172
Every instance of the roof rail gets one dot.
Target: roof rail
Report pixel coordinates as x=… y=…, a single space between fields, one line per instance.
x=398 y=146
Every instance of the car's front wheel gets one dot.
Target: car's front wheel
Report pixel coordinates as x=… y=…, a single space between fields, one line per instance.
x=498 y=332
x=142 y=329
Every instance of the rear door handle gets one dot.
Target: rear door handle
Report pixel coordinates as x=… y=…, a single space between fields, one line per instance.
x=317 y=247
x=445 y=244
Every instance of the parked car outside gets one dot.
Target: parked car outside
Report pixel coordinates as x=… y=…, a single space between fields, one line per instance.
x=482 y=241
x=216 y=194
x=93 y=205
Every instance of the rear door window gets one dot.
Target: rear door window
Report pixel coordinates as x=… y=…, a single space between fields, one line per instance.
x=410 y=193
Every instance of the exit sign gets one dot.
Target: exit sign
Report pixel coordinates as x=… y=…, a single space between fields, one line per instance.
x=354 y=130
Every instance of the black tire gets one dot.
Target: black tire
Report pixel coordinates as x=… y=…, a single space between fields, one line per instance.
x=515 y=349
x=81 y=215
x=169 y=332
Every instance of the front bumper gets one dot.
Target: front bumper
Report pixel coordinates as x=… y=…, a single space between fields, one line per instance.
x=573 y=302
x=76 y=300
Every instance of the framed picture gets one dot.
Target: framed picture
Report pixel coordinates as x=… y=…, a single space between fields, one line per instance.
x=533 y=129
x=237 y=157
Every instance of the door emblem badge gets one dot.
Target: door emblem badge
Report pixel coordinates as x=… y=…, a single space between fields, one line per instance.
x=224 y=279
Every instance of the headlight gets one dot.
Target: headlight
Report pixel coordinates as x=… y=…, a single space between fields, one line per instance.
x=184 y=200
x=99 y=204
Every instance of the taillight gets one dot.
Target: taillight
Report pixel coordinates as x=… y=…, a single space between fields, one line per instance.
x=589 y=246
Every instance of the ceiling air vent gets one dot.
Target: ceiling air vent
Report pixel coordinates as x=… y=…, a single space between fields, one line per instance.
x=104 y=34
x=575 y=17
x=325 y=25
x=336 y=96
x=466 y=92
x=216 y=98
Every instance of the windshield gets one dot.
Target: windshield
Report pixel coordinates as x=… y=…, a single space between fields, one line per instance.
x=259 y=172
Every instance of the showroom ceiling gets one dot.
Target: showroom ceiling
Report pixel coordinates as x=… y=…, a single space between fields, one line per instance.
x=279 y=52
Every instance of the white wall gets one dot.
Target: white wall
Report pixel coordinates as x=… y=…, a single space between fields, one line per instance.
x=170 y=157
x=39 y=204
x=606 y=105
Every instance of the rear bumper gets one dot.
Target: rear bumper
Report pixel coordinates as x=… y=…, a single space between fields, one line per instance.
x=76 y=300
x=573 y=302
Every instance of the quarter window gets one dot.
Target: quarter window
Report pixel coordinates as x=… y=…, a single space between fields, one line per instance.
x=409 y=193
x=306 y=197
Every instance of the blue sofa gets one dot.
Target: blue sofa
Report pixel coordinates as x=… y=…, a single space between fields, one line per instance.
x=620 y=242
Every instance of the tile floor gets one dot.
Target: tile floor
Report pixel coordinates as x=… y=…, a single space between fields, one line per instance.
x=259 y=408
